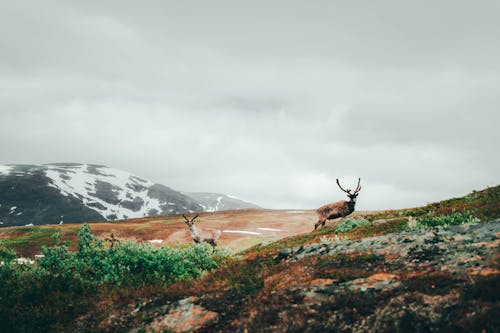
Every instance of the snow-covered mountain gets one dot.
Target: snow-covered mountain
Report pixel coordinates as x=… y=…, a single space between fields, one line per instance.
x=70 y=192
x=214 y=202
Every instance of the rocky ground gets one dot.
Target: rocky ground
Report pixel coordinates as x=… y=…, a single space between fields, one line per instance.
x=433 y=279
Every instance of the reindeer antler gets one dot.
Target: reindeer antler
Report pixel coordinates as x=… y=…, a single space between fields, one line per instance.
x=358 y=187
x=188 y=221
x=346 y=191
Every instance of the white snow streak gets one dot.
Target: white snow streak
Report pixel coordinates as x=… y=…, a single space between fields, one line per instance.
x=5 y=169
x=241 y=232
x=269 y=229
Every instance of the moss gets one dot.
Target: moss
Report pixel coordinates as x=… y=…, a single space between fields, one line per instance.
x=396 y=225
x=31 y=240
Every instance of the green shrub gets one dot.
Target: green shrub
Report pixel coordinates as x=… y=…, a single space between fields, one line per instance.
x=349 y=224
x=60 y=286
x=6 y=255
x=129 y=263
x=454 y=218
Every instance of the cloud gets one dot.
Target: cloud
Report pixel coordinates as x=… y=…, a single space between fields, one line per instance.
x=270 y=102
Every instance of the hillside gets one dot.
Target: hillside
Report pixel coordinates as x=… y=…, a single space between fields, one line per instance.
x=431 y=268
x=74 y=193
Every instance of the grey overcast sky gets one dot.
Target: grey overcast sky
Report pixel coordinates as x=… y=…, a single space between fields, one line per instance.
x=269 y=101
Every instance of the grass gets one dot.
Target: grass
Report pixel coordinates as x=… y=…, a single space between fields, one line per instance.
x=32 y=238
x=454 y=218
x=482 y=204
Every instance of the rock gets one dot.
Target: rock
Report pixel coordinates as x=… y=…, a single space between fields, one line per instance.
x=183 y=316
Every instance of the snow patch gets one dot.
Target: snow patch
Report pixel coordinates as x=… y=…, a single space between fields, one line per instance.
x=269 y=229
x=5 y=170
x=241 y=232
x=219 y=199
x=78 y=181
x=216 y=207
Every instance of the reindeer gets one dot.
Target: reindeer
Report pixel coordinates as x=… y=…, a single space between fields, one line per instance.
x=338 y=209
x=199 y=237
x=112 y=240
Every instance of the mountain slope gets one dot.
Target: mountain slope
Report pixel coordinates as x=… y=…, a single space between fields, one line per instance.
x=25 y=196
x=71 y=192
x=215 y=202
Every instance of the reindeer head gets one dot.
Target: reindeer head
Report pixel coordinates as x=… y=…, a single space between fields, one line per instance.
x=189 y=222
x=352 y=195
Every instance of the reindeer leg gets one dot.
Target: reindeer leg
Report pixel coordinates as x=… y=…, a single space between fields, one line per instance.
x=316 y=225
x=213 y=243
x=339 y=220
x=319 y=223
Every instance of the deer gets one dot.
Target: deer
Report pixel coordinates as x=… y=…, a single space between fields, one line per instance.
x=338 y=209
x=197 y=236
x=112 y=240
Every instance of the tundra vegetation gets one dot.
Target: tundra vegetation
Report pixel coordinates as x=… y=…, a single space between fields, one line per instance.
x=61 y=284
x=418 y=269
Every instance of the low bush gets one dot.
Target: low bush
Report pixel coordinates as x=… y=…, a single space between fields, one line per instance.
x=454 y=218
x=61 y=285
x=129 y=263
x=350 y=224
x=6 y=254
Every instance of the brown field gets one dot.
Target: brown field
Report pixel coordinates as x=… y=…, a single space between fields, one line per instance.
x=172 y=230
x=294 y=225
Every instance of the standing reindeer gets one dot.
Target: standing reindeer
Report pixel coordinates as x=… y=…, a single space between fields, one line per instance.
x=199 y=237
x=338 y=209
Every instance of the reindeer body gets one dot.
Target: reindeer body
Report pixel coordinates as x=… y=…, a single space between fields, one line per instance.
x=198 y=236
x=333 y=210
x=337 y=209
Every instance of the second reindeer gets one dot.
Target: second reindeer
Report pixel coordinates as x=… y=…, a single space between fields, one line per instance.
x=201 y=236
